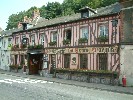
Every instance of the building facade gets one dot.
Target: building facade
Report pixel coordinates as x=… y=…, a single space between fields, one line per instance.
x=88 y=46
x=86 y=41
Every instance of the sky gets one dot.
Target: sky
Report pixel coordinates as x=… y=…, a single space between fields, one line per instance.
x=9 y=7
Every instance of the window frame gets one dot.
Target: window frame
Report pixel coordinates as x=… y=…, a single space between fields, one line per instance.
x=81 y=61
x=9 y=41
x=52 y=36
x=33 y=39
x=105 y=29
x=82 y=35
x=42 y=39
x=17 y=40
x=66 y=62
x=101 y=61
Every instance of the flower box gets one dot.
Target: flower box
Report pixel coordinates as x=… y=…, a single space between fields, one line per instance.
x=83 y=40
x=66 y=41
x=102 y=38
x=39 y=46
x=52 y=43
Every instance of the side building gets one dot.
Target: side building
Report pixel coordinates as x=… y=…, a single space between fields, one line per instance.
x=6 y=44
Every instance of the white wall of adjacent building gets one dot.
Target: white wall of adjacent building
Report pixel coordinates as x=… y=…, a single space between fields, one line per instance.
x=126 y=63
x=5 y=53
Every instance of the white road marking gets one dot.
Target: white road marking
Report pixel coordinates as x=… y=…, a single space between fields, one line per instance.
x=27 y=80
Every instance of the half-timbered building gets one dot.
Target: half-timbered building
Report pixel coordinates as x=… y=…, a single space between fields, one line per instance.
x=88 y=43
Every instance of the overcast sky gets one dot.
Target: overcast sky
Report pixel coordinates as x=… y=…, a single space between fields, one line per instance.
x=8 y=7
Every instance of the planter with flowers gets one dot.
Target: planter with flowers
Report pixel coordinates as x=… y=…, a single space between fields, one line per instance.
x=39 y=46
x=66 y=41
x=102 y=38
x=52 y=43
x=83 y=40
x=23 y=46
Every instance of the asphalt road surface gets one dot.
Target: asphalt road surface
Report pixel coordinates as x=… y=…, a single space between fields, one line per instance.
x=18 y=88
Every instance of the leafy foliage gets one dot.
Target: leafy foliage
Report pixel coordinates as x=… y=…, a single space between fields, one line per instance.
x=55 y=9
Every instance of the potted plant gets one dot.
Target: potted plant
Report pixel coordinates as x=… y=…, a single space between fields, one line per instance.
x=23 y=46
x=39 y=46
x=66 y=41
x=102 y=38
x=83 y=40
x=52 y=43
x=30 y=47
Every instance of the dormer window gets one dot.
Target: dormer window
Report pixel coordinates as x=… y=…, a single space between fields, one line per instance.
x=86 y=12
x=85 y=15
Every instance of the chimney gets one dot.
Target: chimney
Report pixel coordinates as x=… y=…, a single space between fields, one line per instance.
x=19 y=25
x=126 y=3
x=0 y=29
x=36 y=13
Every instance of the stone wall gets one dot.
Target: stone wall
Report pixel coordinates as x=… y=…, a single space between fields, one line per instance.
x=86 y=78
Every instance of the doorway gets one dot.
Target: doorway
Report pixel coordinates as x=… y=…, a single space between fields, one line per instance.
x=35 y=63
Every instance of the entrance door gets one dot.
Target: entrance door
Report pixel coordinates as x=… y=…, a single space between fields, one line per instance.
x=35 y=63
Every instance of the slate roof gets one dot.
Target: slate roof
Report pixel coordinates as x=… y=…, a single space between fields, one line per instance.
x=8 y=32
x=42 y=22
x=112 y=9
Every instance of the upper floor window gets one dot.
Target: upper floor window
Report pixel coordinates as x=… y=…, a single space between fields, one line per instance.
x=68 y=34
x=103 y=30
x=4 y=43
x=17 y=40
x=33 y=39
x=84 y=32
x=54 y=36
x=85 y=15
x=42 y=39
x=9 y=41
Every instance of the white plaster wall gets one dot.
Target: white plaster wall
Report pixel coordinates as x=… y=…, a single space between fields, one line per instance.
x=5 y=54
x=126 y=63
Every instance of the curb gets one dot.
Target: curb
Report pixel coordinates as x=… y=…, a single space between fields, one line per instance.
x=116 y=91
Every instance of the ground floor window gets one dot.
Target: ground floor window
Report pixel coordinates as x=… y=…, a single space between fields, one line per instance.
x=16 y=58
x=53 y=61
x=103 y=61
x=67 y=61
x=22 y=60
x=83 y=61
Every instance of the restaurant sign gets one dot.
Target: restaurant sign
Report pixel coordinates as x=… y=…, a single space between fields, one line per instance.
x=112 y=49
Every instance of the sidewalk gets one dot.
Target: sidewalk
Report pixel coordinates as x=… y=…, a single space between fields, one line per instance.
x=118 y=89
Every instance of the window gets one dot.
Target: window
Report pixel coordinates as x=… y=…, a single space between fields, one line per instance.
x=16 y=57
x=68 y=34
x=17 y=40
x=102 y=61
x=22 y=60
x=84 y=32
x=54 y=36
x=83 y=61
x=53 y=61
x=42 y=39
x=4 y=43
x=85 y=14
x=103 y=29
x=33 y=39
x=66 y=60
x=9 y=41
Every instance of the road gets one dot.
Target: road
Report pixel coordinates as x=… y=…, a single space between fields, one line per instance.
x=18 y=88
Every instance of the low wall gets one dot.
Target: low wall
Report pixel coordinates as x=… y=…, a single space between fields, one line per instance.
x=101 y=79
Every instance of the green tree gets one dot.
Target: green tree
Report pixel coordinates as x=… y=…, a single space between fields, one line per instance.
x=53 y=10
